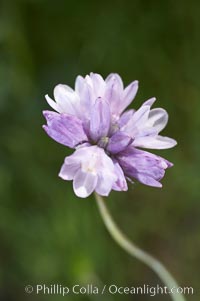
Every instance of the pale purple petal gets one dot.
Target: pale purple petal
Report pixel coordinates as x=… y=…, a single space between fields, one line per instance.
x=154 y=142
x=95 y=84
x=106 y=175
x=149 y=102
x=125 y=117
x=79 y=82
x=98 y=83
x=65 y=129
x=120 y=184
x=85 y=92
x=105 y=183
x=144 y=126
x=114 y=78
x=53 y=104
x=147 y=180
x=67 y=100
x=113 y=93
x=158 y=119
x=105 y=163
x=94 y=160
x=132 y=121
x=84 y=183
x=69 y=168
x=100 y=119
x=97 y=161
x=137 y=122
x=147 y=168
x=128 y=95
x=118 y=142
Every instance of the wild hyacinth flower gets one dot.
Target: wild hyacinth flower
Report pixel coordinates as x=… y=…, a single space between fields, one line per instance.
x=107 y=140
x=108 y=143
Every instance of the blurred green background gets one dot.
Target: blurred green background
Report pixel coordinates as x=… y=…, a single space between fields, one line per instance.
x=47 y=234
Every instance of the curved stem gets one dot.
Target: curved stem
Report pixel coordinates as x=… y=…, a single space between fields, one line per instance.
x=135 y=251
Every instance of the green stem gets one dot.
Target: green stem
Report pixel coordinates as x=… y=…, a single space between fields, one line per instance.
x=135 y=251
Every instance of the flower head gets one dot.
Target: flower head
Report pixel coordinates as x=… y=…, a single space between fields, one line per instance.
x=91 y=120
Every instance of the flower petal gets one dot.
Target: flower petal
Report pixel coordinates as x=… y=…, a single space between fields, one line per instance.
x=84 y=183
x=105 y=183
x=85 y=94
x=69 y=168
x=137 y=122
x=53 y=104
x=113 y=93
x=79 y=82
x=158 y=119
x=154 y=142
x=125 y=117
x=65 y=129
x=98 y=84
x=128 y=95
x=149 y=181
x=100 y=119
x=120 y=184
x=67 y=100
x=106 y=175
x=118 y=142
x=149 y=102
x=147 y=168
x=145 y=124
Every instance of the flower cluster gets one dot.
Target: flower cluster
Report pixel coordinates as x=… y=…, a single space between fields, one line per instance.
x=91 y=120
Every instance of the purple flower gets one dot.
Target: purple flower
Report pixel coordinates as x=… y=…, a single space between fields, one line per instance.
x=91 y=119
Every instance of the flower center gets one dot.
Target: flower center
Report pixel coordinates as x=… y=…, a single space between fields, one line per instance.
x=114 y=128
x=103 y=142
